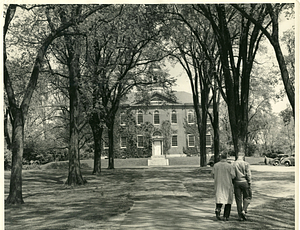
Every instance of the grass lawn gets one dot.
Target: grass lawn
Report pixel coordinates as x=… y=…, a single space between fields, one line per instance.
x=173 y=161
x=104 y=201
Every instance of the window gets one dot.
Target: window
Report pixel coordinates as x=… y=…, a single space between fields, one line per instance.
x=105 y=143
x=123 y=142
x=156 y=117
x=174 y=141
x=122 y=119
x=140 y=141
x=174 y=117
x=191 y=140
x=140 y=118
x=208 y=140
x=190 y=117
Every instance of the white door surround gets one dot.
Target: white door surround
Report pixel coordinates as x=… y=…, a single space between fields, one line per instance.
x=158 y=157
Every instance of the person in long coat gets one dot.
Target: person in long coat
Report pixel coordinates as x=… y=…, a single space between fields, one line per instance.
x=223 y=174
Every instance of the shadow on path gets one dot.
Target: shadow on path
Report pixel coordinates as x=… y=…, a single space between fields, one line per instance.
x=165 y=203
x=171 y=213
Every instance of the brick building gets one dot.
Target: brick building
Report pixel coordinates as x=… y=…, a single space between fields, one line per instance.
x=163 y=126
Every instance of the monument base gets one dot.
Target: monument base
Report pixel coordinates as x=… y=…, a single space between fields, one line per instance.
x=158 y=161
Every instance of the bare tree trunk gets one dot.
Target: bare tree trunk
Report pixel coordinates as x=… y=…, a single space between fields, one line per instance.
x=203 y=130
x=110 y=121
x=15 y=189
x=6 y=133
x=73 y=47
x=203 y=161
x=215 y=122
x=111 y=157
x=198 y=119
x=74 y=177
x=97 y=134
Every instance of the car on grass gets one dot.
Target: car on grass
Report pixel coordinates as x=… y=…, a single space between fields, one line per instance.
x=211 y=161
x=278 y=160
x=288 y=161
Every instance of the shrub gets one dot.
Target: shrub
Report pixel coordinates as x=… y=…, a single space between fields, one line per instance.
x=62 y=165
x=31 y=165
x=45 y=157
x=85 y=155
x=43 y=152
x=251 y=149
x=190 y=151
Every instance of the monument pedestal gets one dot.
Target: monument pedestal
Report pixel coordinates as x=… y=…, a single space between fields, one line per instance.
x=158 y=161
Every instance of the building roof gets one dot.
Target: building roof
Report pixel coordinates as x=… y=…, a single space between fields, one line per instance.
x=184 y=97
x=181 y=97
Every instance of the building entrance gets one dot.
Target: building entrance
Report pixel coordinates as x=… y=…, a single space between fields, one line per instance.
x=158 y=157
x=157 y=145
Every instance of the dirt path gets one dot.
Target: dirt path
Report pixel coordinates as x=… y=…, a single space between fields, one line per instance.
x=148 y=198
x=166 y=204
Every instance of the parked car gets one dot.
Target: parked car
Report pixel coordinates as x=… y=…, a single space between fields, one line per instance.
x=211 y=161
x=277 y=161
x=288 y=161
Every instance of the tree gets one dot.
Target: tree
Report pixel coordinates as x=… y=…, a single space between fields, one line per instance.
x=90 y=85
x=215 y=117
x=19 y=111
x=289 y=129
x=120 y=56
x=68 y=53
x=261 y=95
x=273 y=11
x=194 y=53
x=238 y=42
x=74 y=51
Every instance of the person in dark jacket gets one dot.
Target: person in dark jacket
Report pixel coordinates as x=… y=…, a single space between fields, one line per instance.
x=242 y=185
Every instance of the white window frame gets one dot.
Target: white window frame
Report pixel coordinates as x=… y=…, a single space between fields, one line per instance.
x=137 y=141
x=140 y=112
x=193 y=117
x=172 y=113
x=154 y=113
x=174 y=146
x=123 y=147
x=188 y=136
